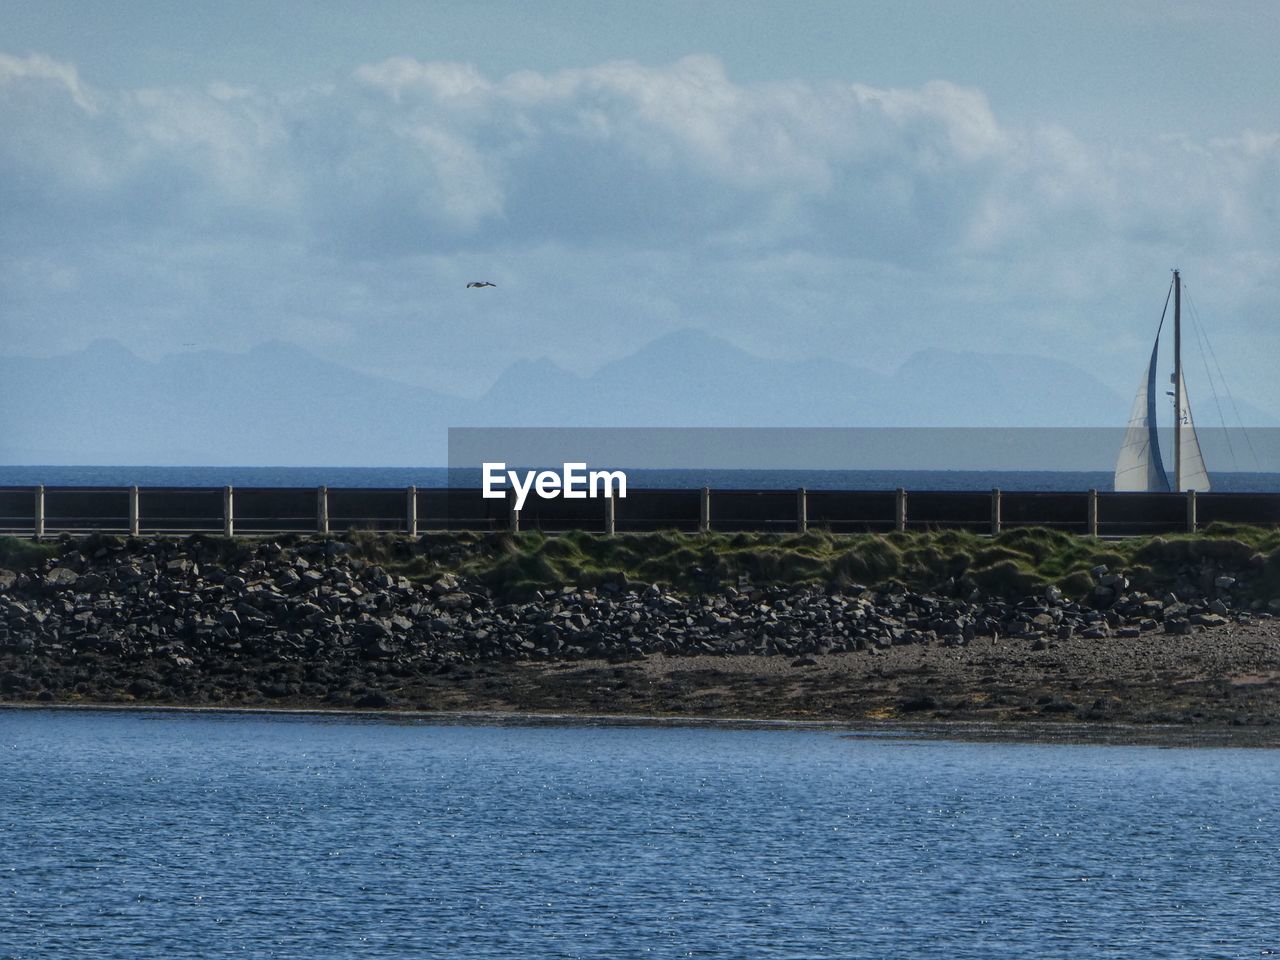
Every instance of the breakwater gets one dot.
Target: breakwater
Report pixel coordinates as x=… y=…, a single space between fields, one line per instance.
x=40 y=511
x=201 y=620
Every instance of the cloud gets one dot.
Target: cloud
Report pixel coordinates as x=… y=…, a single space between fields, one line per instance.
x=265 y=212
x=37 y=70
x=436 y=154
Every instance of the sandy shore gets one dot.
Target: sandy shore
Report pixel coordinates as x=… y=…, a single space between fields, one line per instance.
x=1212 y=685
x=1227 y=677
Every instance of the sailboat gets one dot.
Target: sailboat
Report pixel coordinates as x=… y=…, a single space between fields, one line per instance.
x=1139 y=466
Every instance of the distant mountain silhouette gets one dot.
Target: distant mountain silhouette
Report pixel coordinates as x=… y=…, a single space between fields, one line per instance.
x=690 y=378
x=277 y=404
x=942 y=388
x=687 y=378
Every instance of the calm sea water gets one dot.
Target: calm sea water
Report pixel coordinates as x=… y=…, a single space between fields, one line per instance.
x=123 y=476
x=127 y=835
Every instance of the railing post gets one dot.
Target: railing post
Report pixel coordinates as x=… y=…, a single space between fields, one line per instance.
x=39 y=513
x=135 y=521
x=611 y=513
x=995 y=511
x=411 y=511
x=322 y=510
x=1093 y=513
x=1191 y=511
x=900 y=511
x=704 y=510
x=802 y=510
x=513 y=515
x=228 y=512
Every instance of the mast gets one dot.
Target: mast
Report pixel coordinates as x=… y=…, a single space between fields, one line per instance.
x=1177 y=382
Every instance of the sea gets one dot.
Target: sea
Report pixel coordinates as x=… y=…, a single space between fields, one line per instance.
x=127 y=834
x=203 y=476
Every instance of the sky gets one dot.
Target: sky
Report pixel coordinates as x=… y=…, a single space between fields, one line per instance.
x=847 y=180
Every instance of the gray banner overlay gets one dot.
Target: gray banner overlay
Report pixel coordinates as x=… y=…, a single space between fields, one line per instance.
x=839 y=448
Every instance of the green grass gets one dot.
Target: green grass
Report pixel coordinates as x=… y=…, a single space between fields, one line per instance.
x=1014 y=563
x=19 y=553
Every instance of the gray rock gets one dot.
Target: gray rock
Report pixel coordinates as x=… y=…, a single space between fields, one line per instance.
x=1058 y=706
x=454 y=601
x=61 y=578
x=373 y=630
x=1209 y=620
x=446 y=584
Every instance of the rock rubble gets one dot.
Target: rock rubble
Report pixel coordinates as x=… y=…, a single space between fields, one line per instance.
x=184 y=603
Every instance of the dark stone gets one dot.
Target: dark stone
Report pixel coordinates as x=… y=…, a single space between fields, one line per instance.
x=1059 y=706
x=141 y=689
x=61 y=578
x=918 y=703
x=1209 y=620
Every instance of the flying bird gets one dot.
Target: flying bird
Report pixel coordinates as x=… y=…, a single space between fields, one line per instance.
x=480 y=283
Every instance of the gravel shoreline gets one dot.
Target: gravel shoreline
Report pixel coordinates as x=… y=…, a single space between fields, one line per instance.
x=1089 y=733
x=196 y=623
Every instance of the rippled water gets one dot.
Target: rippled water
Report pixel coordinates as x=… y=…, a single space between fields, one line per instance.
x=185 y=835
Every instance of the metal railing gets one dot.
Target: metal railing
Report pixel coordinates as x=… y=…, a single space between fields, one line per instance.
x=249 y=511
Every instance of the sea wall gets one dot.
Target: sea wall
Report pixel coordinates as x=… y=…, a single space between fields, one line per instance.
x=205 y=620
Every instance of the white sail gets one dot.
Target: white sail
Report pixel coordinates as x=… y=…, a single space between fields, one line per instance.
x=1191 y=470
x=1139 y=467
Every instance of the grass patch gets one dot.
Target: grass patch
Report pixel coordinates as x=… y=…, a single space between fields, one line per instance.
x=1013 y=563
x=19 y=553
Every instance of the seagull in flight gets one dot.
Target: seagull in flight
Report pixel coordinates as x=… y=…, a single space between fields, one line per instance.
x=480 y=283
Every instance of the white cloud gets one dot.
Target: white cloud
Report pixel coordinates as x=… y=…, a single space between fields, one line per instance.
x=403 y=77
x=38 y=68
x=281 y=205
